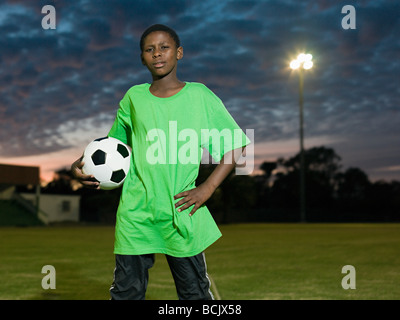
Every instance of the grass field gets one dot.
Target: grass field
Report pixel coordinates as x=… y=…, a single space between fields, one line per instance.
x=250 y=261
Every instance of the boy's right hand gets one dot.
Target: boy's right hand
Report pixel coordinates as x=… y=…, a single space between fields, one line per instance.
x=87 y=181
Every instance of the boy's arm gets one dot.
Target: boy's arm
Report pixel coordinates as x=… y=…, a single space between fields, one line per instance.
x=203 y=192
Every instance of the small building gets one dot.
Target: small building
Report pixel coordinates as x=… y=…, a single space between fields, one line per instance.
x=56 y=207
x=48 y=208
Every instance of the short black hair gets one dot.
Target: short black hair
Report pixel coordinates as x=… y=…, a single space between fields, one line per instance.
x=159 y=27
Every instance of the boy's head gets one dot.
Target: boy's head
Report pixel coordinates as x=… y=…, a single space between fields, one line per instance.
x=159 y=27
x=160 y=51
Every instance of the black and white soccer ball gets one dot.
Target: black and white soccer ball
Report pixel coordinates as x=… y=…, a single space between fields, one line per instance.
x=108 y=160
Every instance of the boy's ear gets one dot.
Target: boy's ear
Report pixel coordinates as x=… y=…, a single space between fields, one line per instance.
x=179 y=53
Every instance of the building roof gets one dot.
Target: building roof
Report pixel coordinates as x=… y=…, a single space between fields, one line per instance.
x=19 y=175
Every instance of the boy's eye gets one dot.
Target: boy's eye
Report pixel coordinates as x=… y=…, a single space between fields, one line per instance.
x=149 y=50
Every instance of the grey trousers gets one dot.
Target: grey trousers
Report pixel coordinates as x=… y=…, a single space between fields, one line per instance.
x=131 y=277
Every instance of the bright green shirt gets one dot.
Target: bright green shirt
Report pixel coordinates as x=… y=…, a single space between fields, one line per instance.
x=167 y=136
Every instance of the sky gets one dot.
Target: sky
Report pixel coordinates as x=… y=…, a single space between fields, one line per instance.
x=60 y=88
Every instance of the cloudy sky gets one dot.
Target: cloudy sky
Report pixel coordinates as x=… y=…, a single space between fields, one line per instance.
x=60 y=89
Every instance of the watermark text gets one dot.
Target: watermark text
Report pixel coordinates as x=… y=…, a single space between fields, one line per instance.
x=49 y=20
x=349 y=280
x=49 y=280
x=164 y=147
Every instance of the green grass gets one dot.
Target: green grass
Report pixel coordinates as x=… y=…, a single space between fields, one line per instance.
x=250 y=261
x=13 y=214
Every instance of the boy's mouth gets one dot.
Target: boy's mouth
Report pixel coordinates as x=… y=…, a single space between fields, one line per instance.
x=159 y=64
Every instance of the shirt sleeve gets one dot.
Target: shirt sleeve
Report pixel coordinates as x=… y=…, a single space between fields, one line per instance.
x=122 y=126
x=223 y=134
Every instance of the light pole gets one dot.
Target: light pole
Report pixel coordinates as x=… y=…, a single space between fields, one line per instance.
x=302 y=62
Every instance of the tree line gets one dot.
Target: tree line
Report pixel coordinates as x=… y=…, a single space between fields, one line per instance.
x=331 y=195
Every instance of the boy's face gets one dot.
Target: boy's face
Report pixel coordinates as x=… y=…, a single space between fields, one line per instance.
x=160 y=54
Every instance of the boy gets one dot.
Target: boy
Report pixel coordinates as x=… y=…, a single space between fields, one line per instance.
x=150 y=219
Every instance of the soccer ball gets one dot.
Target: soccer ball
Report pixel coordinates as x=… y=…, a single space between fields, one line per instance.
x=108 y=160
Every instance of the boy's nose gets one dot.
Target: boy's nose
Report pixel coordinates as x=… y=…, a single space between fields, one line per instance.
x=156 y=53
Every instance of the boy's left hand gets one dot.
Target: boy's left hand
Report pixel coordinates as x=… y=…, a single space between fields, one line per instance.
x=196 y=197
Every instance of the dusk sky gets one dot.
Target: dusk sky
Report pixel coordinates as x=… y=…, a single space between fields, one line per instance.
x=60 y=88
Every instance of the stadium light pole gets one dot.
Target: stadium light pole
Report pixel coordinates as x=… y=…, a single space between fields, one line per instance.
x=302 y=62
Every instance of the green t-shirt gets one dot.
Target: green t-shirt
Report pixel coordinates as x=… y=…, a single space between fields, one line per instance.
x=167 y=136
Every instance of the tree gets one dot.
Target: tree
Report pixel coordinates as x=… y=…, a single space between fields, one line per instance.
x=317 y=159
x=352 y=189
x=62 y=183
x=352 y=185
x=383 y=200
x=268 y=168
x=321 y=167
